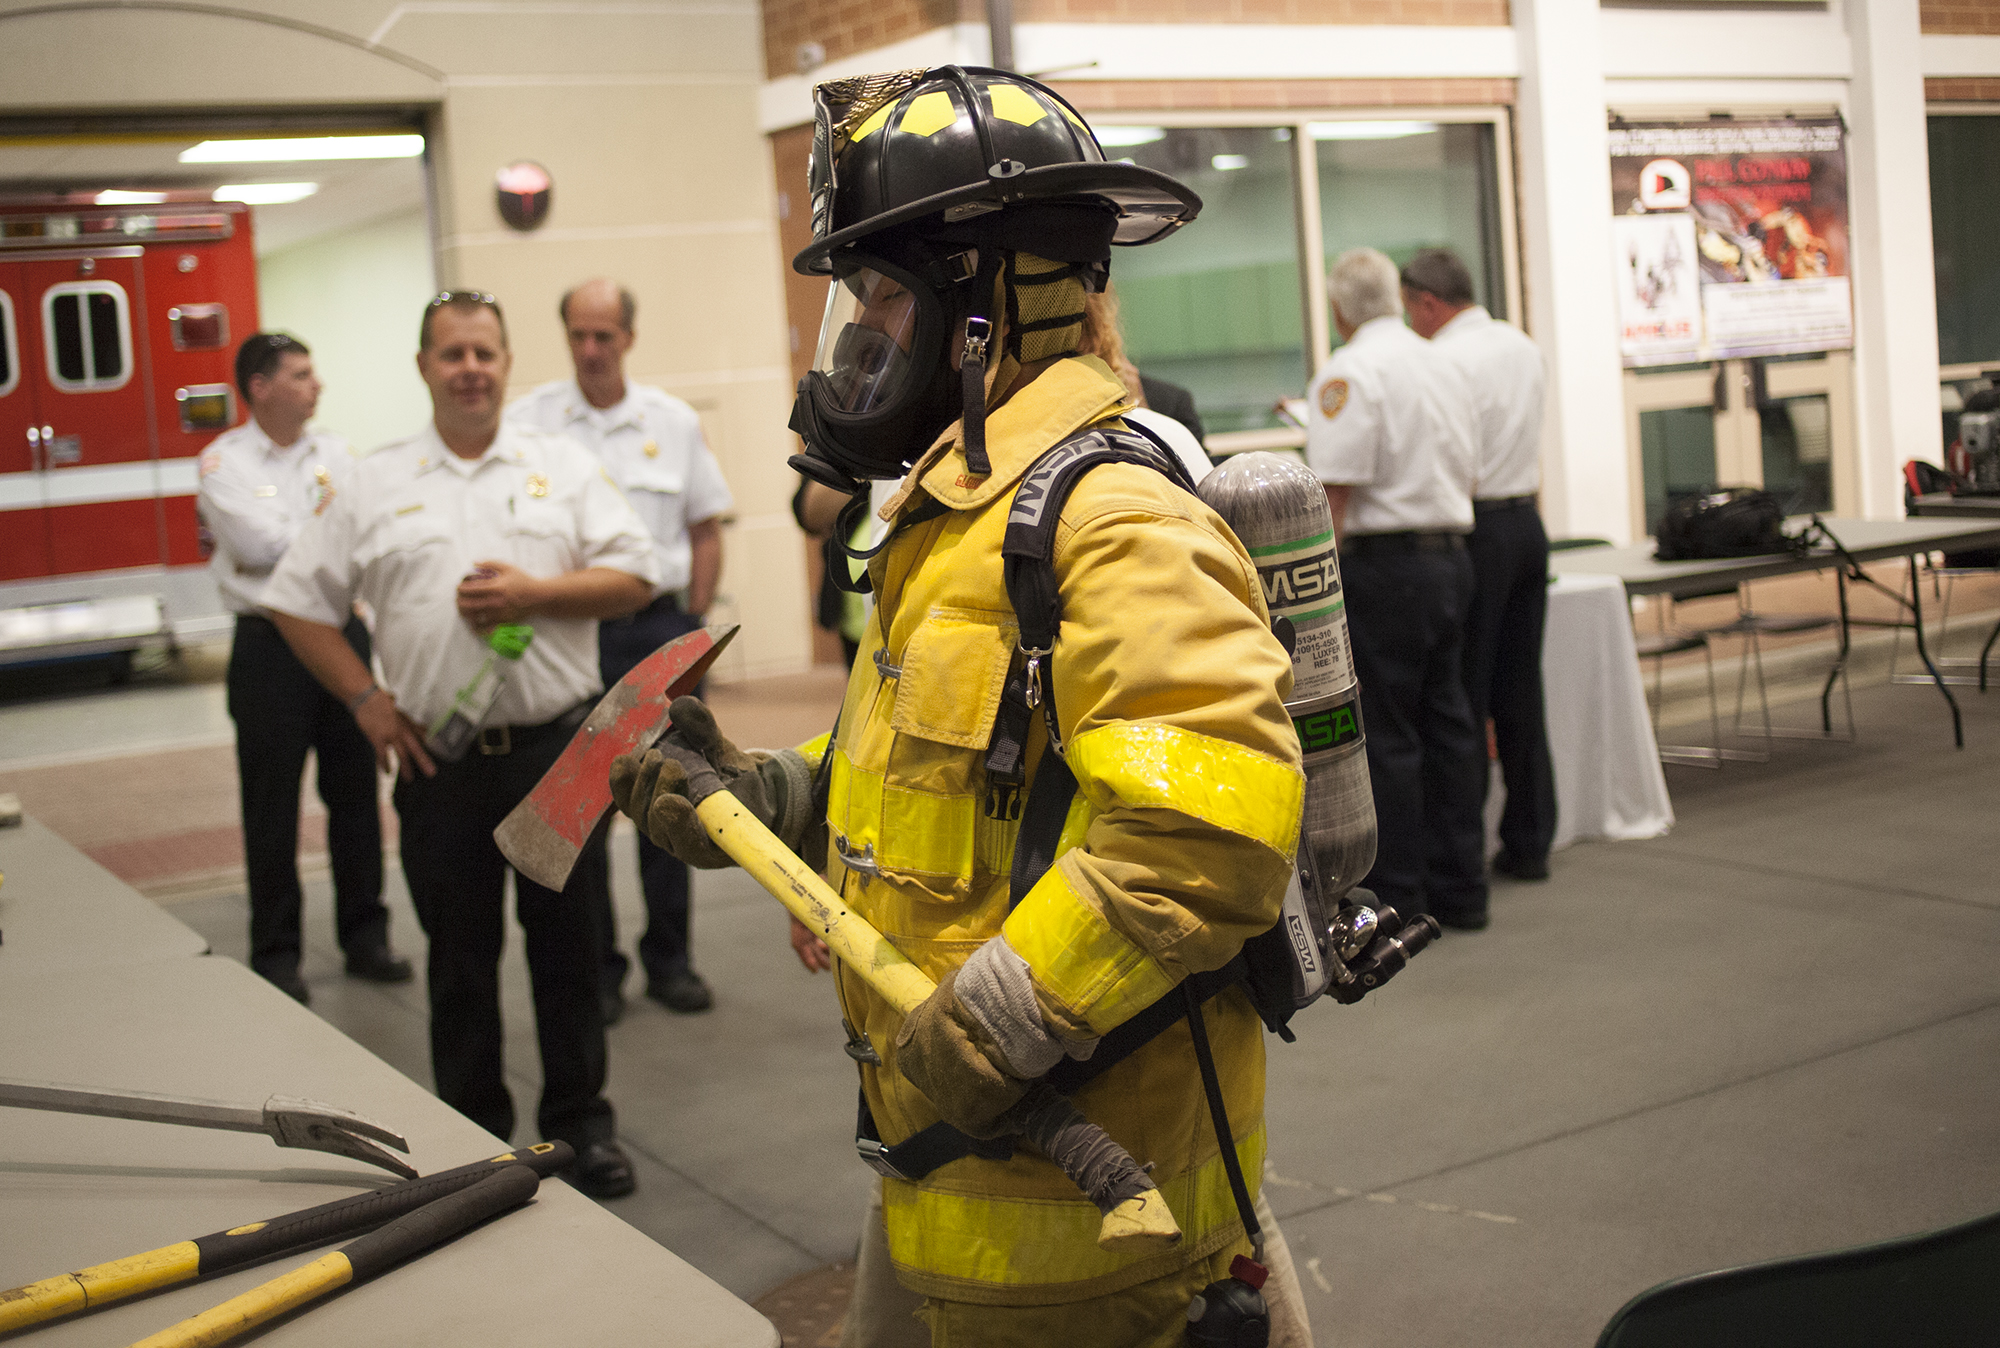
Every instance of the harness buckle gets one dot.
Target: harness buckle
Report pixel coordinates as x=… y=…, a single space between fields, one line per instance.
x=1033 y=673
x=883 y=668
x=496 y=739
x=876 y=1157
x=858 y=1046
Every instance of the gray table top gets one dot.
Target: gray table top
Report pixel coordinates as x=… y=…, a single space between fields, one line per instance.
x=1944 y=504
x=59 y=910
x=78 y=1191
x=1867 y=540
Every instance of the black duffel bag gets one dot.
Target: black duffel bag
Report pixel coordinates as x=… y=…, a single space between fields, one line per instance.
x=1725 y=522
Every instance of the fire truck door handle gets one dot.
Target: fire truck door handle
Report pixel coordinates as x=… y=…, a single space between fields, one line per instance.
x=34 y=449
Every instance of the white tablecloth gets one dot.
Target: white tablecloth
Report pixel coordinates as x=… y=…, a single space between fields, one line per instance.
x=1608 y=778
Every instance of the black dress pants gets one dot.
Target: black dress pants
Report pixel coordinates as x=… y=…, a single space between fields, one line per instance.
x=1426 y=763
x=281 y=711
x=1503 y=668
x=457 y=877
x=663 y=950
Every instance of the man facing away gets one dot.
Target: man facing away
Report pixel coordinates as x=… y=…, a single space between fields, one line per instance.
x=1510 y=552
x=448 y=534
x=650 y=442
x=1390 y=434
x=260 y=484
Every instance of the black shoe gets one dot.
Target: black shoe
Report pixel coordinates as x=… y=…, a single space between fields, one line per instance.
x=602 y=1170
x=292 y=986
x=379 y=965
x=1468 y=920
x=613 y=1002
x=1521 y=868
x=684 y=992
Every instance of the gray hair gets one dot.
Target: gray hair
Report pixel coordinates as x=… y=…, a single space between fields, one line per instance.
x=1363 y=284
x=628 y=304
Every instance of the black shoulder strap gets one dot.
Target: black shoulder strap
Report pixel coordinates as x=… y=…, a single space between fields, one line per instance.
x=1028 y=556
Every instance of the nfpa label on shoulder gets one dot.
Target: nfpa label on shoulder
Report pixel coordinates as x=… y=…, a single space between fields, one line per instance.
x=1302 y=584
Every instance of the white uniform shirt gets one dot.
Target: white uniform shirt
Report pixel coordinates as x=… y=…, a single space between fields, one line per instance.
x=651 y=444
x=1503 y=367
x=1391 y=417
x=256 y=496
x=414 y=520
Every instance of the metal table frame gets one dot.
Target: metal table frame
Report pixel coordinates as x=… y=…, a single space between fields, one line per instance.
x=1943 y=505
x=1862 y=541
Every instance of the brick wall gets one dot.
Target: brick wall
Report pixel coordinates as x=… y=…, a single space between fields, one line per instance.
x=1171 y=95
x=1959 y=16
x=1962 y=91
x=844 y=27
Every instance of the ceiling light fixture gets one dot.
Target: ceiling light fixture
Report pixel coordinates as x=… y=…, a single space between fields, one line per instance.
x=1119 y=137
x=1369 y=130
x=265 y=194
x=292 y=148
x=1226 y=162
x=117 y=197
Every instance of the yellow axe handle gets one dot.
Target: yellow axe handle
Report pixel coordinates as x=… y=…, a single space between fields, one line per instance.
x=1141 y=1223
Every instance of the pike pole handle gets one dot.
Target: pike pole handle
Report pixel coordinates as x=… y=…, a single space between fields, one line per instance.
x=1137 y=1223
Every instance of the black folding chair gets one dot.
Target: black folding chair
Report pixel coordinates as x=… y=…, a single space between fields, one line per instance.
x=1939 y=1290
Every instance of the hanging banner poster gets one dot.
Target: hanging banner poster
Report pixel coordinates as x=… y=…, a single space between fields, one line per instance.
x=1767 y=204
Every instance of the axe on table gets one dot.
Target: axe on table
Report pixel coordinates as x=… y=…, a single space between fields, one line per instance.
x=545 y=833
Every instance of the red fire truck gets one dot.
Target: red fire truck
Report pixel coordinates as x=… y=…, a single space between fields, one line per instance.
x=118 y=333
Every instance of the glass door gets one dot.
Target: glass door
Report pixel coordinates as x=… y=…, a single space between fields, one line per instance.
x=1785 y=424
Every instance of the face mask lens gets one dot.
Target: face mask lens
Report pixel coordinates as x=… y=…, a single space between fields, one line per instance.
x=864 y=345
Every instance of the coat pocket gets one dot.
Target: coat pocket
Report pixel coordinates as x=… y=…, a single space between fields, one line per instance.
x=953 y=669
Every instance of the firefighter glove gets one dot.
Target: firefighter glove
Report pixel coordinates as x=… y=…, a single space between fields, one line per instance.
x=658 y=790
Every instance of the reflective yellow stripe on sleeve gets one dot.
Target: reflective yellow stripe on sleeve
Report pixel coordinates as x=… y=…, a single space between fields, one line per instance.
x=1079 y=959
x=1147 y=765
x=814 y=750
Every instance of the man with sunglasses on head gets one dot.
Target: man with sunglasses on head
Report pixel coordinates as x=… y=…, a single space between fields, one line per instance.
x=260 y=484
x=650 y=442
x=447 y=535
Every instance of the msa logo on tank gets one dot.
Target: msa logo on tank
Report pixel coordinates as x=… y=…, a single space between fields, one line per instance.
x=1329 y=728
x=1302 y=587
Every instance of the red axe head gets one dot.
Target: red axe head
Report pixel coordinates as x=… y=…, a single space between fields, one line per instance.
x=546 y=832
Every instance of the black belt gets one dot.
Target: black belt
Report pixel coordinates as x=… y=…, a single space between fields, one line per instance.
x=1489 y=504
x=670 y=602
x=1403 y=540
x=499 y=739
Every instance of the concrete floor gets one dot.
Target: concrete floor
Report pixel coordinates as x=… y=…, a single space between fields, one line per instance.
x=1772 y=1031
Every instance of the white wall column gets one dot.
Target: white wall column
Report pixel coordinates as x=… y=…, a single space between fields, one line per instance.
x=1889 y=226
x=1566 y=237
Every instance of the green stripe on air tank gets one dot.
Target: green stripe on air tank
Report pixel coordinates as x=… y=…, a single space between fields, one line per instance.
x=1270 y=549
x=1335 y=607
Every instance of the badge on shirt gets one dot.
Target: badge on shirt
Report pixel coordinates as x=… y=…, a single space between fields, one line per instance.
x=322 y=490
x=1332 y=397
x=651 y=449
x=538 y=484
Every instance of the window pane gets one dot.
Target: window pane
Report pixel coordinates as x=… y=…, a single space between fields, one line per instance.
x=1677 y=452
x=106 y=349
x=1216 y=307
x=67 y=313
x=1401 y=186
x=1965 y=201
x=1798 y=453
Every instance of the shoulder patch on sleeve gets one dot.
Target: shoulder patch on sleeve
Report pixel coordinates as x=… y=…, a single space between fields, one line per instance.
x=211 y=459
x=1332 y=397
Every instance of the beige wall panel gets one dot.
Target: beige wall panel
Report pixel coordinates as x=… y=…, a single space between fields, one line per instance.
x=622 y=156
x=104 y=59
x=718 y=46
x=763 y=587
x=706 y=303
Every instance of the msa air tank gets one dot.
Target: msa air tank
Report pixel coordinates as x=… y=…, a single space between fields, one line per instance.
x=1277 y=508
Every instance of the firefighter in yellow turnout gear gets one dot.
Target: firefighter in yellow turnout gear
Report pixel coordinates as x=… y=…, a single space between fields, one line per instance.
x=1167 y=684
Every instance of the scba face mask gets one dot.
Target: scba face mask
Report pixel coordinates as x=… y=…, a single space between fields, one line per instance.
x=881 y=387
